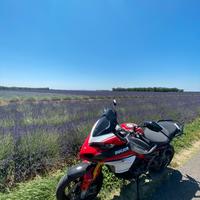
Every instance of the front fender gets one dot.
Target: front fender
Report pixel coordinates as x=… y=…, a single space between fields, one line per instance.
x=79 y=170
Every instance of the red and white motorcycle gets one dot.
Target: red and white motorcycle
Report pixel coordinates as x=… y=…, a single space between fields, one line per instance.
x=128 y=150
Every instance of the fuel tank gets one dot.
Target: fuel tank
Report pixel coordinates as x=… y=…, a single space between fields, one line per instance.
x=132 y=127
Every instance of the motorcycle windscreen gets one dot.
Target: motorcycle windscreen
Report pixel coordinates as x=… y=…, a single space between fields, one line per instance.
x=102 y=127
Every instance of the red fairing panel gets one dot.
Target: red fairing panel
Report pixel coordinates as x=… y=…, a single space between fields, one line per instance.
x=120 y=156
x=87 y=149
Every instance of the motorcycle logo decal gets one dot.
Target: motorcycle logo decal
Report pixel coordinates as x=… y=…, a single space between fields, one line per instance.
x=121 y=151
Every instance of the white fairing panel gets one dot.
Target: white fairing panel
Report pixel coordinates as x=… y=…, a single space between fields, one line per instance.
x=100 y=138
x=123 y=165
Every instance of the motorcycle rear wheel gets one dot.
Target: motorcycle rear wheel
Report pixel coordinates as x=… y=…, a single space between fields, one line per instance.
x=163 y=160
x=69 y=189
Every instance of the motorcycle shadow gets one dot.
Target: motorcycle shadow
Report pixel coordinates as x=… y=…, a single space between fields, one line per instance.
x=168 y=185
x=177 y=187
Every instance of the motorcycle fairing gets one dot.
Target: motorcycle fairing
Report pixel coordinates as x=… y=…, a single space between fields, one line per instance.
x=120 y=151
x=102 y=134
x=115 y=153
x=101 y=130
x=122 y=165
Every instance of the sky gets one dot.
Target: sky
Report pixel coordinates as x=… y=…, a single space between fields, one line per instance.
x=100 y=44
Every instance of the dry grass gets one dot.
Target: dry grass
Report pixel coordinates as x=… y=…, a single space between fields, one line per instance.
x=183 y=156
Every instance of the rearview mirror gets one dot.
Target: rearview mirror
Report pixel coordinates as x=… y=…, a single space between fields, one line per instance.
x=153 y=126
x=114 y=102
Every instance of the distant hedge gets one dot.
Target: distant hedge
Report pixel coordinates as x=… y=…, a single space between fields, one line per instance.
x=23 y=88
x=148 y=89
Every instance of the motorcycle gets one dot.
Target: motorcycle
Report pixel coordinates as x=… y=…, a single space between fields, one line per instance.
x=128 y=150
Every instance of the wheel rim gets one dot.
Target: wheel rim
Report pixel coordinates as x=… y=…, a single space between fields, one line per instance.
x=92 y=190
x=168 y=157
x=73 y=191
x=163 y=160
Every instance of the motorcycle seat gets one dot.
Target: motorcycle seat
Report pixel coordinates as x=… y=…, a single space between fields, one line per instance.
x=169 y=129
x=155 y=137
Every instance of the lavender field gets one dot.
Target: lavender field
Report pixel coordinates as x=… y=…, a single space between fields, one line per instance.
x=37 y=136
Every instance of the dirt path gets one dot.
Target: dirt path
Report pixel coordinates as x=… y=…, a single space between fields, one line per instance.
x=183 y=184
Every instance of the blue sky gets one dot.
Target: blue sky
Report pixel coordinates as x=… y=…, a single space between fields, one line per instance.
x=100 y=44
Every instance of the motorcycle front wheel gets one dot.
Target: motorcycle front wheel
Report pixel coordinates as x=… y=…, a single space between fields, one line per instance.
x=70 y=189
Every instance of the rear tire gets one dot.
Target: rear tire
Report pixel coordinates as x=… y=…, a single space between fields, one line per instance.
x=162 y=160
x=168 y=156
x=64 y=192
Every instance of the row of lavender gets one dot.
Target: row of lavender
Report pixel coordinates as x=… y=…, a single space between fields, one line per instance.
x=34 y=137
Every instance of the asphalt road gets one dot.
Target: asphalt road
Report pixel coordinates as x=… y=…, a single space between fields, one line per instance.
x=183 y=184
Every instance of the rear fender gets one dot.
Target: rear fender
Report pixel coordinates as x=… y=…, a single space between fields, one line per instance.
x=79 y=170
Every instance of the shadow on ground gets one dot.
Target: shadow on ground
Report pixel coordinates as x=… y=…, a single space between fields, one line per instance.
x=177 y=187
x=168 y=185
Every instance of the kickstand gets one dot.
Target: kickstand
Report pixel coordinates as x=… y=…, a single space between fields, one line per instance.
x=137 y=187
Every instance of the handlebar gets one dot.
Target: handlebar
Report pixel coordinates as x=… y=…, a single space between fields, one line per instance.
x=133 y=145
x=121 y=136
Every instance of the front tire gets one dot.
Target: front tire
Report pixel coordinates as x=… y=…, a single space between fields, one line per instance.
x=69 y=188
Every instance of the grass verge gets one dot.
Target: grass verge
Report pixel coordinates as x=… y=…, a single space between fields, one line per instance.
x=41 y=188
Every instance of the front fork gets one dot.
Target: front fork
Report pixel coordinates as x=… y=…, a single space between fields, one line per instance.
x=89 y=177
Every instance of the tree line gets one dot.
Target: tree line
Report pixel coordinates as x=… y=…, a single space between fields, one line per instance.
x=148 y=89
x=23 y=88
